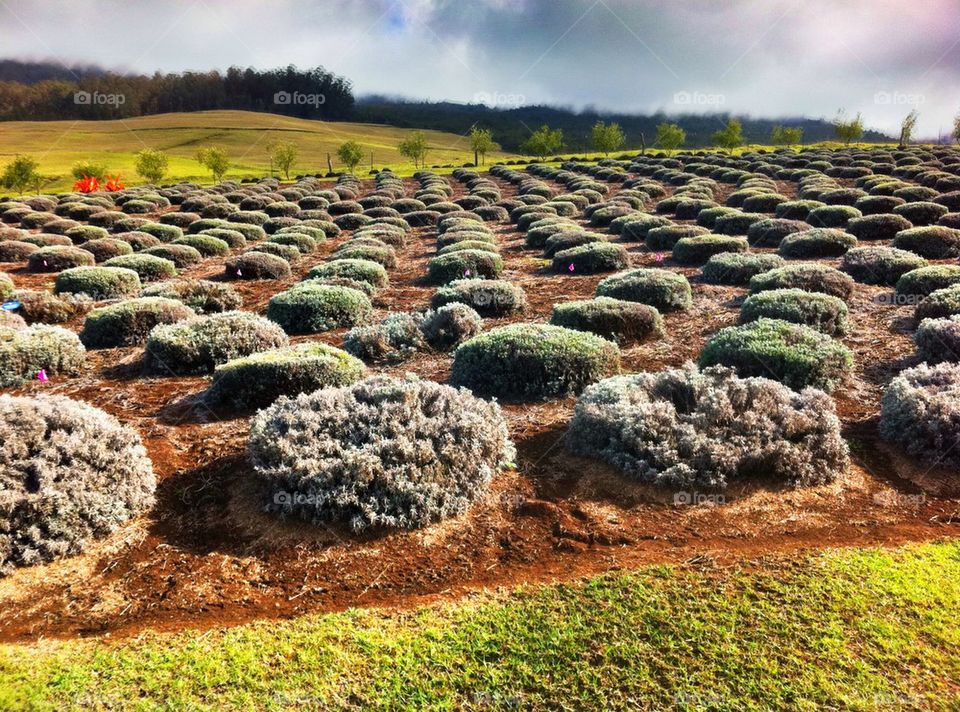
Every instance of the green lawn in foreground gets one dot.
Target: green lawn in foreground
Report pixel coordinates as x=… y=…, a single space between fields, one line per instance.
x=851 y=630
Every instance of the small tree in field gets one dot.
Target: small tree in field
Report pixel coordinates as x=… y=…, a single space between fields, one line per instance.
x=215 y=160
x=848 y=130
x=414 y=147
x=350 y=155
x=730 y=136
x=482 y=143
x=151 y=165
x=89 y=169
x=670 y=136
x=907 y=126
x=543 y=142
x=20 y=174
x=607 y=137
x=786 y=135
x=283 y=155
x=956 y=128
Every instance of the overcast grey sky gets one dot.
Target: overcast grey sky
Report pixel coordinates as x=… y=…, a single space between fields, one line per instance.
x=759 y=57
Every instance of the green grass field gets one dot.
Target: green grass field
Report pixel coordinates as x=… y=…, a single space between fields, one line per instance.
x=58 y=145
x=849 y=629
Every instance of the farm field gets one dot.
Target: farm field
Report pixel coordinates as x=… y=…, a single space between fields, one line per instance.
x=245 y=135
x=804 y=275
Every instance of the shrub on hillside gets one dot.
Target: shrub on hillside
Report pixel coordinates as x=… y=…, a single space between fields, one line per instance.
x=256 y=265
x=149 y=268
x=206 y=245
x=107 y=248
x=921 y=412
x=26 y=352
x=737 y=268
x=879 y=226
x=880 y=265
x=797 y=356
x=939 y=339
x=181 y=255
x=98 y=283
x=128 y=323
x=664 y=238
x=533 y=361
x=934 y=242
x=822 y=312
x=381 y=254
x=57 y=258
x=199 y=344
x=940 y=303
x=202 y=296
x=84 y=233
x=926 y=280
x=16 y=250
x=448 y=326
x=257 y=380
x=769 y=233
x=811 y=278
x=737 y=223
x=833 y=216
x=396 y=338
x=660 y=288
x=161 y=231
x=921 y=213
x=491 y=298
x=689 y=428
x=308 y=308
x=637 y=228
x=567 y=239
x=137 y=240
x=617 y=320
x=464 y=264
x=697 y=250
x=591 y=258
x=359 y=270
x=71 y=474
x=817 y=242
x=387 y=459
x=304 y=243
x=41 y=307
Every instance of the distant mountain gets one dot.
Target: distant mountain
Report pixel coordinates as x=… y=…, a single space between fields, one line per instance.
x=511 y=126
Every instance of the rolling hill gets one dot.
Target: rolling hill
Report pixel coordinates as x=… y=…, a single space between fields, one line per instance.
x=58 y=145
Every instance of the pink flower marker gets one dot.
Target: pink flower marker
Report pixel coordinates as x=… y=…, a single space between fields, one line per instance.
x=467 y=273
x=42 y=375
x=659 y=257
x=571 y=267
x=239 y=273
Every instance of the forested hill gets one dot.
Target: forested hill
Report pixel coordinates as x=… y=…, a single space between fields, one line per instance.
x=49 y=90
x=512 y=126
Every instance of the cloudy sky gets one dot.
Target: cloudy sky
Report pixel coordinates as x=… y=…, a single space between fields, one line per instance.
x=761 y=57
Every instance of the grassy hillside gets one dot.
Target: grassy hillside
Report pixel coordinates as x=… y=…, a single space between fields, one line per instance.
x=851 y=629
x=58 y=145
